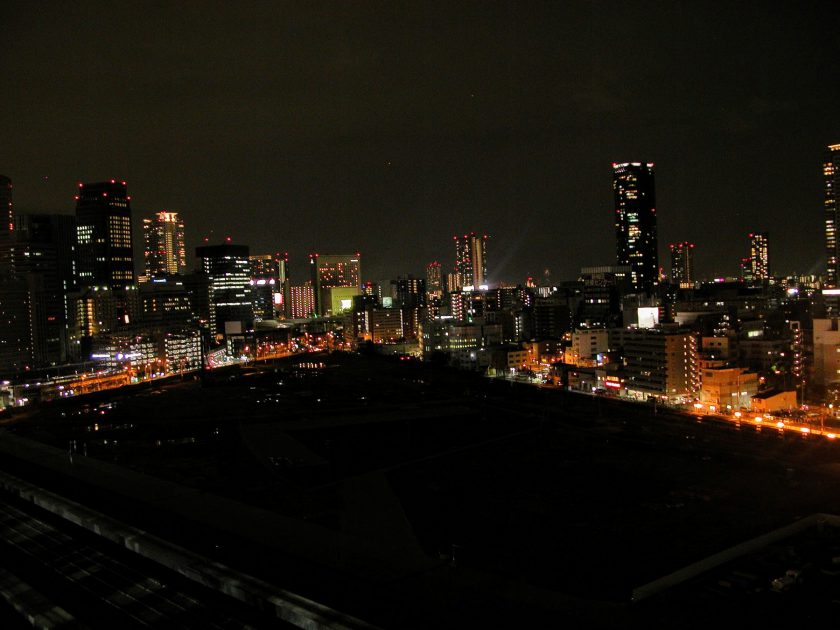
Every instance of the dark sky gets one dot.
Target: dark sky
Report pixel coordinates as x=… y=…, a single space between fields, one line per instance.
x=387 y=128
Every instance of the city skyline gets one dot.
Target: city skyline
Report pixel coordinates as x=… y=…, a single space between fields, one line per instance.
x=140 y=224
x=504 y=118
x=371 y=314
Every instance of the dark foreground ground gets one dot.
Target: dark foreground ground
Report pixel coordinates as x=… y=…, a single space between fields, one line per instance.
x=474 y=500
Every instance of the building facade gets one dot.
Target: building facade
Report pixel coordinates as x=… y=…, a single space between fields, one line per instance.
x=635 y=223
x=329 y=271
x=104 y=250
x=165 y=252
x=301 y=301
x=658 y=362
x=826 y=341
x=41 y=251
x=6 y=208
x=15 y=327
x=434 y=280
x=471 y=260
x=228 y=269
x=269 y=285
x=831 y=201
x=728 y=387
x=759 y=265
x=682 y=264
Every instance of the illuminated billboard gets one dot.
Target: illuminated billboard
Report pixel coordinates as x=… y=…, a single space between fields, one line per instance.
x=648 y=316
x=341 y=298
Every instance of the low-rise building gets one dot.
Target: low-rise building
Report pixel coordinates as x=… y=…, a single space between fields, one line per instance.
x=587 y=344
x=509 y=358
x=728 y=387
x=774 y=400
x=659 y=362
x=826 y=352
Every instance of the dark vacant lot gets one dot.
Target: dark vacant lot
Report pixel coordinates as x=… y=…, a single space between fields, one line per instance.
x=572 y=494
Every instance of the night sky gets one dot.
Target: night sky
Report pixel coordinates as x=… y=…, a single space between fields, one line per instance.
x=385 y=128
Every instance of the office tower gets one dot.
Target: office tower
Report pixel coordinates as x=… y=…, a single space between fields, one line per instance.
x=635 y=223
x=334 y=271
x=269 y=284
x=453 y=282
x=285 y=285
x=40 y=250
x=411 y=296
x=263 y=265
x=167 y=303
x=6 y=209
x=97 y=311
x=228 y=268
x=682 y=264
x=552 y=316
x=165 y=252
x=104 y=252
x=759 y=262
x=374 y=290
x=15 y=326
x=434 y=280
x=831 y=175
x=471 y=260
x=386 y=325
x=274 y=267
x=410 y=291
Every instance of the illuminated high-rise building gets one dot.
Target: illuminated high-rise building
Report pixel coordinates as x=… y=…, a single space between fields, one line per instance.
x=228 y=268
x=759 y=260
x=471 y=260
x=333 y=271
x=165 y=252
x=453 y=282
x=831 y=175
x=302 y=301
x=434 y=279
x=635 y=223
x=6 y=209
x=682 y=264
x=104 y=251
x=269 y=285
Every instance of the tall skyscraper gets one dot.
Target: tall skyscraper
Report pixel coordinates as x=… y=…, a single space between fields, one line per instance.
x=635 y=223
x=471 y=260
x=105 y=255
x=40 y=250
x=15 y=327
x=269 y=285
x=165 y=252
x=682 y=264
x=228 y=268
x=333 y=271
x=831 y=175
x=6 y=209
x=434 y=280
x=759 y=260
